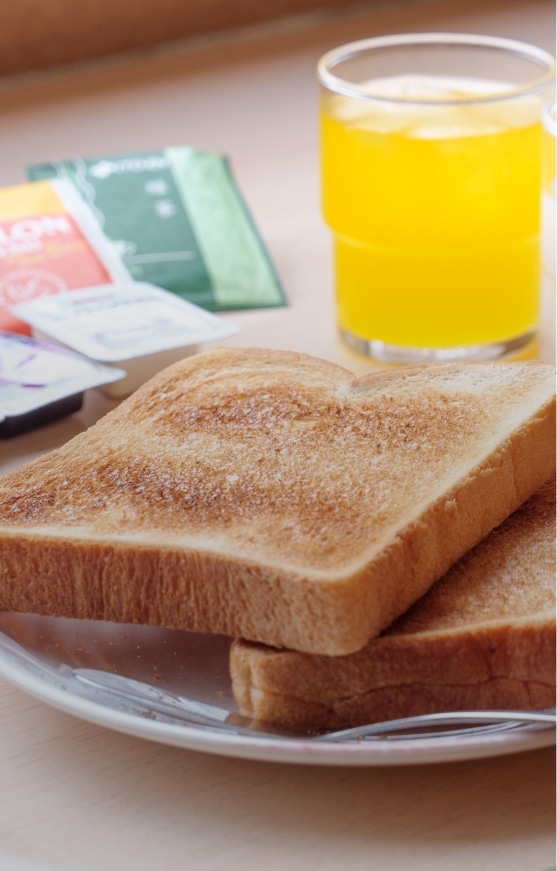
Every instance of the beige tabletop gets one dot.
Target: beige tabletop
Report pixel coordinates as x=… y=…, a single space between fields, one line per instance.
x=75 y=796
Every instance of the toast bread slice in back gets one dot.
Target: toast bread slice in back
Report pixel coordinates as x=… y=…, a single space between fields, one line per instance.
x=482 y=638
x=274 y=496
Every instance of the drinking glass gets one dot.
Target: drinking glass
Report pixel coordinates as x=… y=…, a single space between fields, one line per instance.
x=431 y=150
x=548 y=189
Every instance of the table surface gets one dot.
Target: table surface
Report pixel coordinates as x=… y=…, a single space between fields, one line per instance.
x=78 y=797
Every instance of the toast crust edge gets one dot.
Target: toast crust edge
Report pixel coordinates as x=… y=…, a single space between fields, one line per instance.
x=501 y=668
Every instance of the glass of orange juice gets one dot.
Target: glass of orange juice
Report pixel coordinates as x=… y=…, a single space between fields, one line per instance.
x=431 y=151
x=549 y=118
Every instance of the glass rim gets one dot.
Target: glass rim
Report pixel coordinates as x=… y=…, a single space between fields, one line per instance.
x=524 y=50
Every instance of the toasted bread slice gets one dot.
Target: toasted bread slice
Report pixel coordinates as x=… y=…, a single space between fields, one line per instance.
x=274 y=496
x=482 y=638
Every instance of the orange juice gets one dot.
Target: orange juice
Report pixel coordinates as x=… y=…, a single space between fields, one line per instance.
x=549 y=232
x=435 y=211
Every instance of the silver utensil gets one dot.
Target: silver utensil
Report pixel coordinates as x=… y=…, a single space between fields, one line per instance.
x=449 y=723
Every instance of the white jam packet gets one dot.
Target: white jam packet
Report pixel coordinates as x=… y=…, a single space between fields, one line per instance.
x=135 y=325
x=40 y=382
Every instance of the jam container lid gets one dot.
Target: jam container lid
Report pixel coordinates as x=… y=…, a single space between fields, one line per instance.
x=40 y=382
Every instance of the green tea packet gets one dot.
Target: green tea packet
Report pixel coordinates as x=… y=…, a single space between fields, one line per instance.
x=178 y=221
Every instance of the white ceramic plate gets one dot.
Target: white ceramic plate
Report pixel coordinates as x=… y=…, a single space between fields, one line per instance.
x=173 y=687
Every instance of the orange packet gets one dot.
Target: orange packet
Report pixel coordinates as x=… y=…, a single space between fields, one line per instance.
x=50 y=242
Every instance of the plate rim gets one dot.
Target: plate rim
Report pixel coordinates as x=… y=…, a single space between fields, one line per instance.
x=293 y=750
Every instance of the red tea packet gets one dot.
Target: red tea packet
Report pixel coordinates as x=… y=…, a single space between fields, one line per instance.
x=50 y=242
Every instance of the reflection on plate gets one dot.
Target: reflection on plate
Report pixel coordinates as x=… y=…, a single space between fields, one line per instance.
x=173 y=687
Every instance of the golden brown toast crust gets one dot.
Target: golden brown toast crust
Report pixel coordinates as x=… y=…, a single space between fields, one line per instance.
x=483 y=637
x=275 y=496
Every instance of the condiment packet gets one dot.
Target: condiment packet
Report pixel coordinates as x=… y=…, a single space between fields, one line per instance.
x=133 y=324
x=40 y=382
x=177 y=220
x=49 y=243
